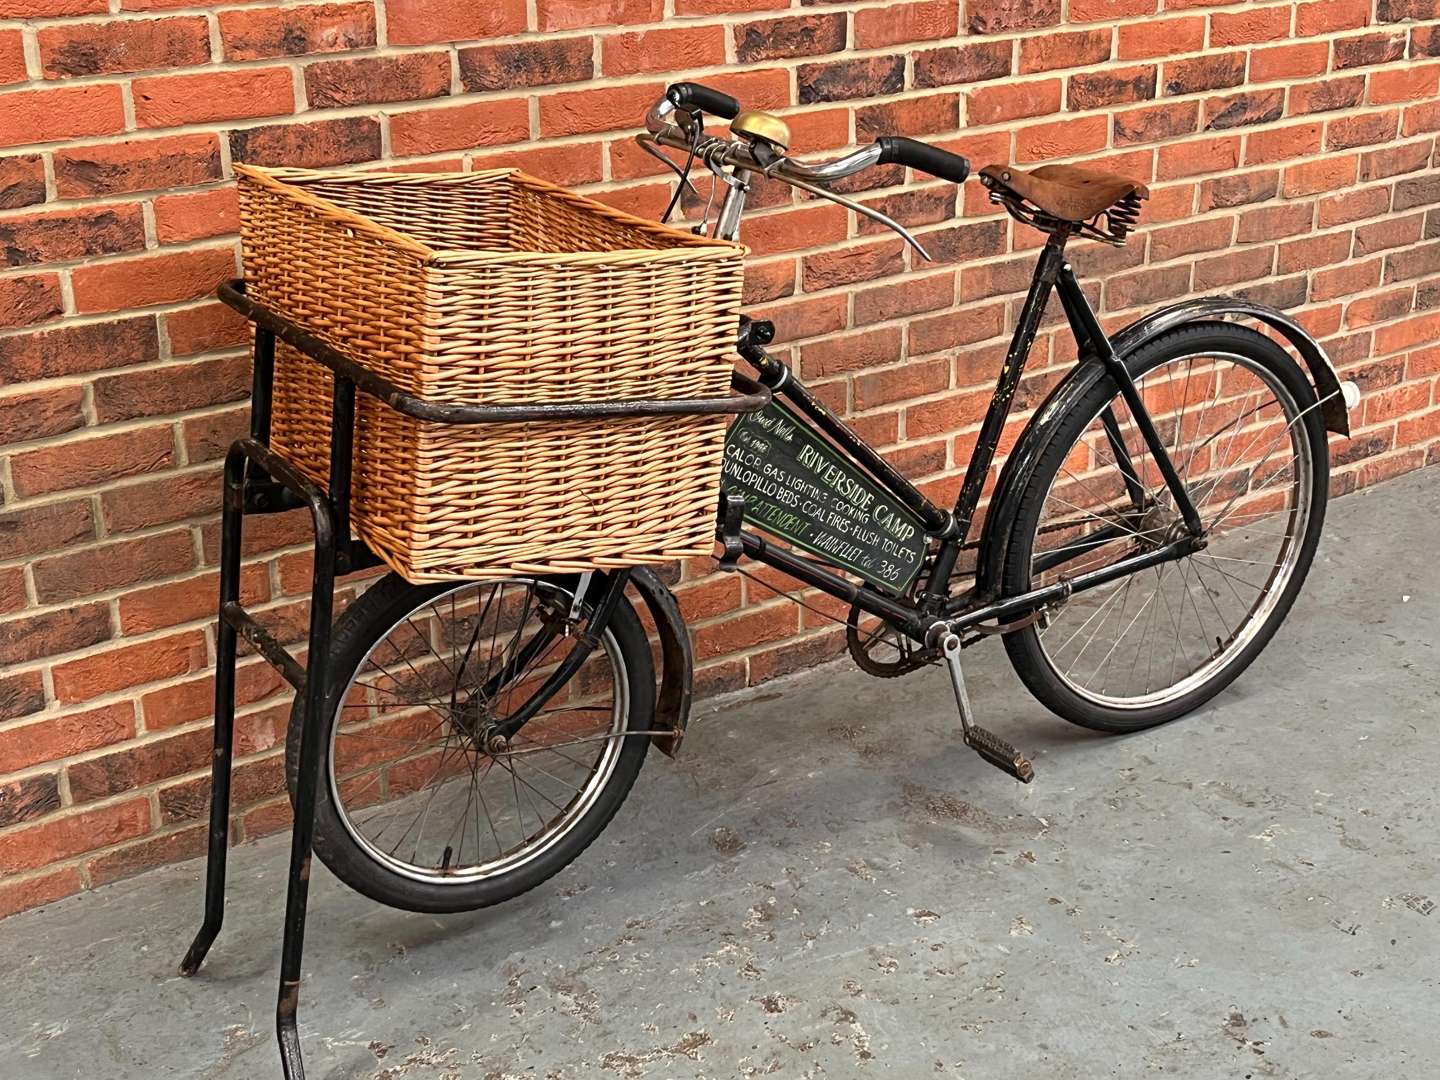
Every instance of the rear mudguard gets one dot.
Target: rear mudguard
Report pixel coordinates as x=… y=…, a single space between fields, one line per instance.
x=677 y=659
x=1336 y=401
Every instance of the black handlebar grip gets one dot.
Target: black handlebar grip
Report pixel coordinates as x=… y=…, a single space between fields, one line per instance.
x=898 y=150
x=690 y=95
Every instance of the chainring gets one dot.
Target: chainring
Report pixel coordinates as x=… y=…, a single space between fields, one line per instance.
x=869 y=646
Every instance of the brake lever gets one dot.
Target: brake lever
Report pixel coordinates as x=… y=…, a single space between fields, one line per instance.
x=865 y=211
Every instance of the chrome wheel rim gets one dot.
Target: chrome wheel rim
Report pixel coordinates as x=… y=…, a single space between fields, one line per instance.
x=1235 y=436
x=371 y=770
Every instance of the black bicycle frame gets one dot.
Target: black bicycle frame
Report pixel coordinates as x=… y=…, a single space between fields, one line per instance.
x=951 y=528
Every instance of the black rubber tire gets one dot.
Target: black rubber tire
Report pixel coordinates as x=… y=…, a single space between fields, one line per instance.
x=1023 y=646
x=356 y=631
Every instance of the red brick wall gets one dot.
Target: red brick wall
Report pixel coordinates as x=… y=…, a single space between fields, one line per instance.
x=1290 y=147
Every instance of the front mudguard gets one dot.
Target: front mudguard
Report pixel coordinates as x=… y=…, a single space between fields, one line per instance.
x=1336 y=400
x=677 y=659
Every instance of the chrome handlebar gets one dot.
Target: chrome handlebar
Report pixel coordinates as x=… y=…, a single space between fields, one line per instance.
x=662 y=128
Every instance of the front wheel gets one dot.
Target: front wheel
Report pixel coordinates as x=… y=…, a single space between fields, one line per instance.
x=1241 y=425
x=423 y=801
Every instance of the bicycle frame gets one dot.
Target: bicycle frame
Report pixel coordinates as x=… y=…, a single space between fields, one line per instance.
x=933 y=607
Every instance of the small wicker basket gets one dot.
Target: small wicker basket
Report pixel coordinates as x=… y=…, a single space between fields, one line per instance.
x=498 y=288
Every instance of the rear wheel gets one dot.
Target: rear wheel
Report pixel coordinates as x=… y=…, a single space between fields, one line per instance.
x=423 y=804
x=1241 y=425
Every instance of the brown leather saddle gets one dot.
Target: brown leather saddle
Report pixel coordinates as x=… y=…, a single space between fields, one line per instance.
x=1070 y=194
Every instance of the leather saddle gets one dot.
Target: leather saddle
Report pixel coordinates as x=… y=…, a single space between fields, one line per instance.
x=1065 y=191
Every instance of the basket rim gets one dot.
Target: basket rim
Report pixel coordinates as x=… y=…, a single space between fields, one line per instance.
x=290 y=181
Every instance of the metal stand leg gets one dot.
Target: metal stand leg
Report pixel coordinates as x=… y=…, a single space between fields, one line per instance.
x=230 y=518
x=303 y=834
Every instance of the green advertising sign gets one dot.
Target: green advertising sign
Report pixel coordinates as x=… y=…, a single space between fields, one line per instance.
x=799 y=487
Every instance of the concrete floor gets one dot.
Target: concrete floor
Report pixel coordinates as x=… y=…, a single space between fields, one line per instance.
x=829 y=885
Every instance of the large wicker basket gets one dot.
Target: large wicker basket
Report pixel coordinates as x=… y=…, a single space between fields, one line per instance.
x=498 y=288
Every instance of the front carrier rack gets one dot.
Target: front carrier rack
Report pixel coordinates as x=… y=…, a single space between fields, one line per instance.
x=258 y=480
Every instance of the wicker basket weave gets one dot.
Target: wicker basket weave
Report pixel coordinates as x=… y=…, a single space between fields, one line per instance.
x=498 y=288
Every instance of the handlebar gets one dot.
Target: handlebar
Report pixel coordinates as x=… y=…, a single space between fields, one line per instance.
x=689 y=98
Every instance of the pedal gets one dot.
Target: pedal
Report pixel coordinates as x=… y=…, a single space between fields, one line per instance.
x=987 y=744
x=1000 y=753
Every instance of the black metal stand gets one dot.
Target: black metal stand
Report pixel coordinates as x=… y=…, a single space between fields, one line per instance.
x=257 y=480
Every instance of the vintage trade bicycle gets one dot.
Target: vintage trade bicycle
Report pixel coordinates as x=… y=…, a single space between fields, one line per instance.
x=456 y=743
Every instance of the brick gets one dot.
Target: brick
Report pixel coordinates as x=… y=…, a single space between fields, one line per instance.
x=1346 y=280
x=1198 y=156
x=790 y=230
x=900 y=23
x=849 y=352
x=1061 y=138
x=1398 y=10
x=847 y=266
x=908 y=116
x=1348 y=132
x=1410 y=82
x=28 y=300
x=21 y=695
x=50 y=633
x=1312 y=252
x=35 y=891
x=1095 y=10
x=155 y=279
x=971 y=240
x=90 y=461
x=110 y=47
x=172 y=389
x=884 y=302
x=840 y=80
x=1355 y=205
x=1326 y=95
x=1146 y=287
x=1327 y=174
x=1161 y=37
x=643 y=51
x=374 y=80
x=1368 y=49
x=190 y=600
x=1156 y=122
x=1007 y=16
x=12 y=58
x=67 y=112
x=947 y=415
x=124 y=666
x=131 y=859
x=1417 y=191
x=922 y=206
x=1115 y=86
x=567 y=164
x=194 y=699
x=65 y=836
x=1012 y=101
x=1190 y=238
x=137 y=766
x=29 y=798
x=569 y=14
x=1216 y=71
x=312 y=145
x=1328 y=16
x=56 y=737
x=962 y=64
x=171 y=100
x=1278 y=144
x=12 y=589
x=1398 y=337
x=952 y=329
x=44 y=528
x=1250 y=107
x=1425 y=41
x=1250 y=26
x=63 y=235
x=41 y=413
x=250 y=782
x=531 y=63
x=22 y=181
x=197 y=215
x=1273 y=222
x=301 y=30
x=1381 y=307
x=1239 y=189
x=1422 y=118
x=208 y=437
x=779 y=39
x=605 y=109
x=69 y=350
x=50 y=9
x=1245 y=264
x=1293 y=61
x=138 y=165
x=1417 y=262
